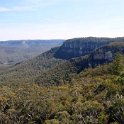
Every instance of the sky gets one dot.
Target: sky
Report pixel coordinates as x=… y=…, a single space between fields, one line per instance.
x=60 y=19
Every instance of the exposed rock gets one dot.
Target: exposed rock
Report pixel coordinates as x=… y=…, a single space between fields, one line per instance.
x=83 y=46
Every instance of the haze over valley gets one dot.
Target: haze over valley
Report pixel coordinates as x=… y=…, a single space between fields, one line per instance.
x=13 y=52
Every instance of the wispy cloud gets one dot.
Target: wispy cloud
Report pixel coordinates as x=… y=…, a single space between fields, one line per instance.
x=30 y=5
x=4 y=9
x=48 y=2
x=41 y=3
x=24 y=5
x=16 y=9
x=27 y=5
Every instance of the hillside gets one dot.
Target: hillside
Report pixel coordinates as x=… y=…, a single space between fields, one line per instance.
x=48 y=90
x=47 y=69
x=28 y=70
x=64 y=72
x=95 y=96
x=12 y=52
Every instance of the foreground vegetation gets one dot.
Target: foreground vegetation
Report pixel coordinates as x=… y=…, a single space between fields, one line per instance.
x=95 y=96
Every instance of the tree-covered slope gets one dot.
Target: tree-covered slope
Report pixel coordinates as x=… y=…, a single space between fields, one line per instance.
x=28 y=70
x=47 y=69
x=65 y=71
x=65 y=91
x=87 y=99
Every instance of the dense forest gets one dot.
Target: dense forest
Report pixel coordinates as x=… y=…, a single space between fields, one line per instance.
x=95 y=96
x=83 y=88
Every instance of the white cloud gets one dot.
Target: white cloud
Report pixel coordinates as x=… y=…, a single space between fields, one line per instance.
x=27 y=5
x=40 y=3
x=16 y=9
x=30 y=5
x=4 y=9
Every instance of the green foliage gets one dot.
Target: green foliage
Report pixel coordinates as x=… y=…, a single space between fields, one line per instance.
x=118 y=65
x=63 y=117
x=52 y=121
x=94 y=96
x=117 y=111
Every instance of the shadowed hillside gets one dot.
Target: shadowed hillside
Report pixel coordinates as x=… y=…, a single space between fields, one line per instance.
x=82 y=46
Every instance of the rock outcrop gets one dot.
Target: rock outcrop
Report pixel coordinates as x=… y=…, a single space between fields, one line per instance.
x=82 y=46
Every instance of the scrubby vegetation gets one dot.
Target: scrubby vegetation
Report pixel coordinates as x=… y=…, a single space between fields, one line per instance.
x=50 y=89
x=94 y=96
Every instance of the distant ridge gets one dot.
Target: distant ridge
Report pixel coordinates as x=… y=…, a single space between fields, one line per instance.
x=16 y=51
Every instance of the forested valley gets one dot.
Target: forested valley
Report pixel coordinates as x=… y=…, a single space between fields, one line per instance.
x=79 y=82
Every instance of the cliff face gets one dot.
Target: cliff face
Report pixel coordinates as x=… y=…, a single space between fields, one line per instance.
x=102 y=55
x=82 y=46
x=106 y=53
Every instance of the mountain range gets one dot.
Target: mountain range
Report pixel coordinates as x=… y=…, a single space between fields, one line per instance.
x=60 y=63
x=16 y=51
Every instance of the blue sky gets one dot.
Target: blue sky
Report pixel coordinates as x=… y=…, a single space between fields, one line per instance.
x=53 y=19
